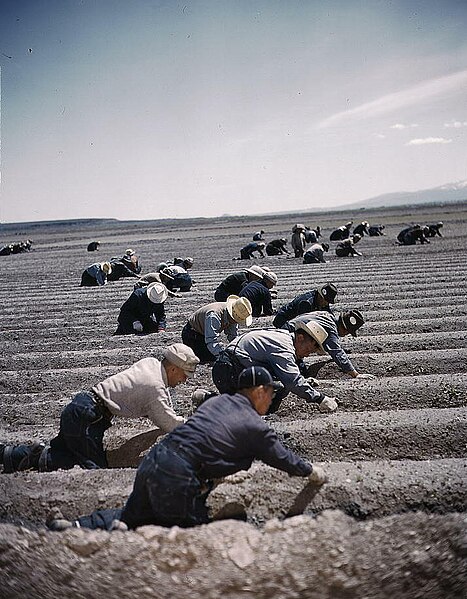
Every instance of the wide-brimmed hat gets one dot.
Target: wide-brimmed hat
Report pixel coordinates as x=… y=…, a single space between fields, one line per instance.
x=240 y=309
x=270 y=277
x=182 y=356
x=352 y=321
x=256 y=270
x=315 y=330
x=130 y=252
x=298 y=227
x=157 y=292
x=188 y=262
x=328 y=292
x=106 y=267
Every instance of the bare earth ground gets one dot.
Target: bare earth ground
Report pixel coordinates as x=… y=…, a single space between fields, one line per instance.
x=391 y=521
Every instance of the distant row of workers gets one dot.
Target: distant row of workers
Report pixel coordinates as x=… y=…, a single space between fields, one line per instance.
x=16 y=248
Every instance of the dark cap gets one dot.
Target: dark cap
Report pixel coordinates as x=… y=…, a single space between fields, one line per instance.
x=328 y=292
x=352 y=320
x=254 y=376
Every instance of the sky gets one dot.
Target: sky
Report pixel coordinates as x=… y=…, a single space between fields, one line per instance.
x=149 y=109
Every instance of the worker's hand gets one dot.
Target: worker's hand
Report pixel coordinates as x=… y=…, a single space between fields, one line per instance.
x=318 y=476
x=137 y=326
x=365 y=375
x=329 y=404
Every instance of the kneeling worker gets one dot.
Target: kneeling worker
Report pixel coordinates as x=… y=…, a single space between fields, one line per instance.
x=175 y=478
x=140 y=391
x=276 y=350
x=203 y=330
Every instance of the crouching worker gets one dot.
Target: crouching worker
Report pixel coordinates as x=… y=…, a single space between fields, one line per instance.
x=141 y=391
x=96 y=274
x=144 y=311
x=203 y=330
x=276 y=350
x=347 y=323
x=174 y=480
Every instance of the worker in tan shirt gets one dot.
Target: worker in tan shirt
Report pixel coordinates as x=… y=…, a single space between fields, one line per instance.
x=140 y=391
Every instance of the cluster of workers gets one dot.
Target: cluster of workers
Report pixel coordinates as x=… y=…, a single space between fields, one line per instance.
x=252 y=369
x=345 y=237
x=16 y=248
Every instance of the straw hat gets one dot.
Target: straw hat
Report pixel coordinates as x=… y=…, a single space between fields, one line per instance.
x=157 y=293
x=315 y=330
x=106 y=267
x=239 y=308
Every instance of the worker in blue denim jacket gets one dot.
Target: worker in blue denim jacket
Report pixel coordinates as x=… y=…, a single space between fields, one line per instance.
x=222 y=437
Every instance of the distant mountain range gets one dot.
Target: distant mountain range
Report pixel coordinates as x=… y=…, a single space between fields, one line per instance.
x=450 y=192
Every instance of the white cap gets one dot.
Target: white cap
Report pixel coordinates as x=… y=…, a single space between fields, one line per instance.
x=182 y=356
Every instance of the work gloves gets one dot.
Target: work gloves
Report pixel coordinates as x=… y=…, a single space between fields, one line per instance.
x=328 y=404
x=318 y=476
x=137 y=326
x=365 y=375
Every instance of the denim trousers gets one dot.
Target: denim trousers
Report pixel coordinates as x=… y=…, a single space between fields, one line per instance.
x=167 y=491
x=80 y=439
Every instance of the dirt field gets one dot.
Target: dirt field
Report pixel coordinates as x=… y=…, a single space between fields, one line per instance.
x=390 y=522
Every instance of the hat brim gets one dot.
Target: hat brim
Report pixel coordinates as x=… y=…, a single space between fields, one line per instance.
x=230 y=303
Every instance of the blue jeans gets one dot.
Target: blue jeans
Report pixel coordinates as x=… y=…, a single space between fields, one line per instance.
x=167 y=491
x=79 y=442
x=80 y=439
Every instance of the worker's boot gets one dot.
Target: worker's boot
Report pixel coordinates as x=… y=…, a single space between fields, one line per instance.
x=17 y=458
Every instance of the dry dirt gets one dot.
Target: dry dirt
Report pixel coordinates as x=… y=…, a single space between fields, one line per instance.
x=391 y=521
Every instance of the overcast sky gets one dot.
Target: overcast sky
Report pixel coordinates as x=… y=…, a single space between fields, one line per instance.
x=143 y=109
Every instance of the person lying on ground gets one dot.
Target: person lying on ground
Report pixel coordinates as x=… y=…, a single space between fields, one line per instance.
x=204 y=328
x=276 y=247
x=310 y=301
x=347 y=247
x=347 y=323
x=247 y=252
x=140 y=391
x=96 y=275
x=259 y=294
x=315 y=253
x=144 y=311
x=234 y=283
x=174 y=480
x=276 y=350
